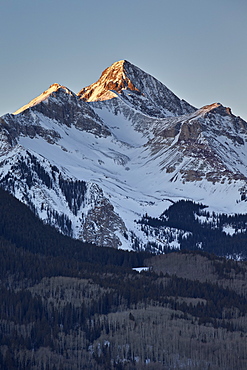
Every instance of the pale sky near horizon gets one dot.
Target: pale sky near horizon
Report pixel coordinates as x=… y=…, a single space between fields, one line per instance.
x=198 y=49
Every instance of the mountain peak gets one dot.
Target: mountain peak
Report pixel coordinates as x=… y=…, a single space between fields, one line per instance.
x=137 y=89
x=216 y=108
x=117 y=65
x=53 y=88
x=113 y=79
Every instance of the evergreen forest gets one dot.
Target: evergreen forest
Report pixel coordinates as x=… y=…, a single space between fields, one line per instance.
x=204 y=231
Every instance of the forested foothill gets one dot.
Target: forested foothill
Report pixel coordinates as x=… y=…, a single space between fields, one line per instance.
x=204 y=230
x=72 y=305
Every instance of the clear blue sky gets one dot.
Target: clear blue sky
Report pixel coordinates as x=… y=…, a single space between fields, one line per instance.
x=196 y=48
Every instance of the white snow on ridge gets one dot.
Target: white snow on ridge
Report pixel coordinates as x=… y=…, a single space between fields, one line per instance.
x=140 y=269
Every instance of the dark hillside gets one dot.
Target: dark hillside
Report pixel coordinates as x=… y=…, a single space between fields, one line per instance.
x=19 y=226
x=71 y=305
x=205 y=231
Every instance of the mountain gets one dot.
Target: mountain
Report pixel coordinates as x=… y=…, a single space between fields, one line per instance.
x=93 y=164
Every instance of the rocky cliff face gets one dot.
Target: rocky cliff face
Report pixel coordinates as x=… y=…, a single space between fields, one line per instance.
x=92 y=164
x=209 y=143
x=102 y=225
x=113 y=79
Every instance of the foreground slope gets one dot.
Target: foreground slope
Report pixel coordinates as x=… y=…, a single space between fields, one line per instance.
x=94 y=163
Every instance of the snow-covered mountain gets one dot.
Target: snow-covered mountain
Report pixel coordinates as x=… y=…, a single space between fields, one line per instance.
x=95 y=162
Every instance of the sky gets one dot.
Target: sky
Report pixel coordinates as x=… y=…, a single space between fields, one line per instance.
x=197 y=48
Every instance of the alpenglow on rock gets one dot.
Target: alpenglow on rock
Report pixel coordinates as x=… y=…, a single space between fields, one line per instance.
x=93 y=163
